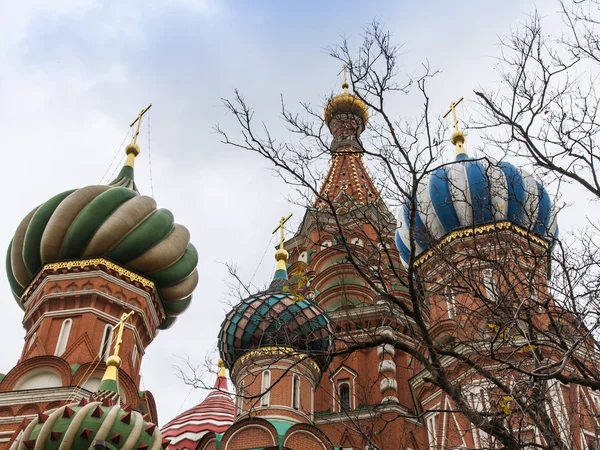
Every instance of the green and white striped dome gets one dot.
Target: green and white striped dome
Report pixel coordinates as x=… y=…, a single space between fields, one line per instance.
x=113 y=222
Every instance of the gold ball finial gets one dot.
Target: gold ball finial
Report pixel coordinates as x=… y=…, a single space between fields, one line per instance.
x=113 y=361
x=281 y=255
x=221 y=365
x=458 y=137
x=132 y=149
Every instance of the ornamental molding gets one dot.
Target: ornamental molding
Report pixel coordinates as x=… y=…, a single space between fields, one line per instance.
x=477 y=231
x=75 y=276
x=40 y=395
x=95 y=263
x=368 y=413
x=279 y=354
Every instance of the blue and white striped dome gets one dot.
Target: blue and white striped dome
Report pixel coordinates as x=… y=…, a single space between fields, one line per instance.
x=473 y=192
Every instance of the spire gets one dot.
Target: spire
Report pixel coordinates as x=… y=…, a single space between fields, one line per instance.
x=281 y=255
x=222 y=370
x=109 y=380
x=125 y=177
x=458 y=138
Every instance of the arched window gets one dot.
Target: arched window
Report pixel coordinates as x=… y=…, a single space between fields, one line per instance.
x=296 y=392
x=449 y=294
x=106 y=341
x=134 y=355
x=31 y=340
x=489 y=283
x=357 y=241
x=240 y=398
x=266 y=384
x=326 y=244
x=63 y=337
x=344 y=396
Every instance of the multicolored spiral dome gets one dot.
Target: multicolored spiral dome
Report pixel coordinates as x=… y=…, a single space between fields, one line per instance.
x=473 y=192
x=272 y=319
x=113 y=222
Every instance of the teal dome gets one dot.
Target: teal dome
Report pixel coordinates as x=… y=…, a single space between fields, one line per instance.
x=113 y=222
x=273 y=318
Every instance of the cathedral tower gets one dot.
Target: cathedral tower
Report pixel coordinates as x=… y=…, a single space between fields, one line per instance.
x=76 y=264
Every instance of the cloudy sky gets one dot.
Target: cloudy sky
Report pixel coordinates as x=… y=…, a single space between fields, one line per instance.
x=76 y=72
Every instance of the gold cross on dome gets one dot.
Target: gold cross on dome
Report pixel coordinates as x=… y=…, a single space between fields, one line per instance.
x=121 y=325
x=281 y=227
x=452 y=110
x=138 y=120
x=345 y=83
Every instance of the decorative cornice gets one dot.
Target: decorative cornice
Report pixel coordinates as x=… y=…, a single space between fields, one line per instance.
x=479 y=230
x=277 y=352
x=42 y=395
x=84 y=263
x=157 y=316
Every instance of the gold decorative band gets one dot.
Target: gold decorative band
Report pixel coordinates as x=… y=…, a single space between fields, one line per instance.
x=82 y=263
x=481 y=229
x=276 y=351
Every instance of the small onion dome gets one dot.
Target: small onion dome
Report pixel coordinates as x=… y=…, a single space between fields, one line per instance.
x=346 y=103
x=473 y=192
x=113 y=222
x=273 y=318
x=214 y=414
x=77 y=425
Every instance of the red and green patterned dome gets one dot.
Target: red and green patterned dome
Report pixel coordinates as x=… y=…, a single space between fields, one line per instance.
x=113 y=222
x=273 y=318
x=76 y=426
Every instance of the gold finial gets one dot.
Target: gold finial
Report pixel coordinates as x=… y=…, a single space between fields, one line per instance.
x=345 y=84
x=132 y=150
x=221 y=365
x=281 y=255
x=114 y=362
x=458 y=137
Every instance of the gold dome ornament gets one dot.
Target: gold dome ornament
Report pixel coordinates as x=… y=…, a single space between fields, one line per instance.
x=346 y=103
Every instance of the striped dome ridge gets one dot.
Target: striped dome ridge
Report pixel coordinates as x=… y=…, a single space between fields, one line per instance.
x=272 y=318
x=112 y=222
x=214 y=414
x=472 y=192
x=78 y=425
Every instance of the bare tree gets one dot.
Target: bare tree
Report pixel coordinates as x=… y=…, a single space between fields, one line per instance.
x=495 y=320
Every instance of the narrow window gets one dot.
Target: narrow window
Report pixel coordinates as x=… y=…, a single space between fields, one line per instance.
x=240 y=398
x=450 y=303
x=266 y=384
x=134 y=355
x=490 y=285
x=31 y=340
x=106 y=341
x=63 y=337
x=296 y=392
x=344 y=394
x=432 y=431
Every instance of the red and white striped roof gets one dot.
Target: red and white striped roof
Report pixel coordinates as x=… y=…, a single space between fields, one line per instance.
x=215 y=413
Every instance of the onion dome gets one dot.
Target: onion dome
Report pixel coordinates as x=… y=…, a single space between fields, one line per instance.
x=77 y=426
x=275 y=318
x=470 y=193
x=215 y=414
x=346 y=103
x=113 y=222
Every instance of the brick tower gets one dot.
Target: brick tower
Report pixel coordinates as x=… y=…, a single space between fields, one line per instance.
x=76 y=264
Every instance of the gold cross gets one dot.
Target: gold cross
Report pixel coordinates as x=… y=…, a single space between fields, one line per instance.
x=452 y=110
x=282 y=222
x=139 y=123
x=345 y=83
x=121 y=324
